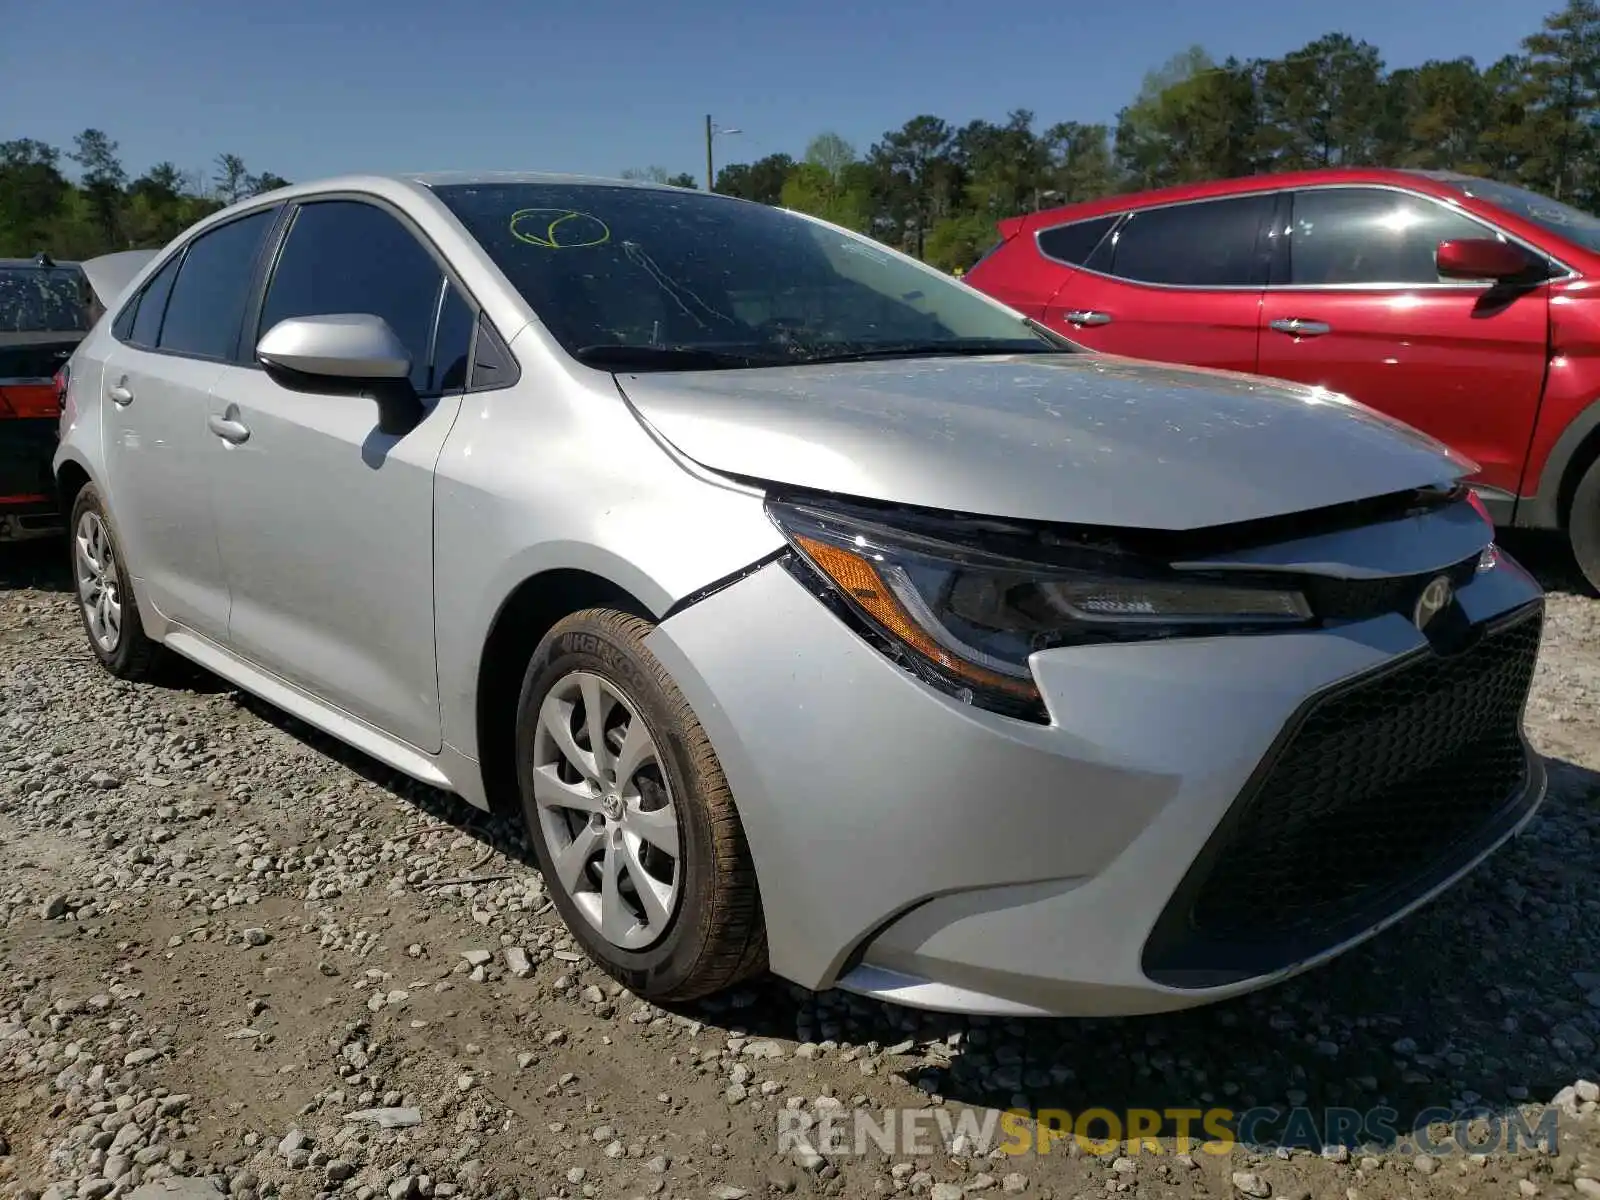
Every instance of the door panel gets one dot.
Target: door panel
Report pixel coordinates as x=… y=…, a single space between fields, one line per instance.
x=326 y=528
x=325 y=523
x=1367 y=315
x=1180 y=283
x=158 y=480
x=1205 y=329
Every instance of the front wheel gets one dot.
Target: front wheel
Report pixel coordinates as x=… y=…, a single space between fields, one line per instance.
x=630 y=816
x=1583 y=525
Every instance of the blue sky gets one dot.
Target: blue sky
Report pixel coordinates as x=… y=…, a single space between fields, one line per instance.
x=309 y=88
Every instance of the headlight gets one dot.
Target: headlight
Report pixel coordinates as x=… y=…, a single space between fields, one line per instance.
x=966 y=619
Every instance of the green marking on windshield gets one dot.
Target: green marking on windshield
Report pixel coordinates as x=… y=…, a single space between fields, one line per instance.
x=558 y=228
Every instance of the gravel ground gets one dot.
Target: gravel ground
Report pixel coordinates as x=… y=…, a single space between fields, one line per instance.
x=222 y=935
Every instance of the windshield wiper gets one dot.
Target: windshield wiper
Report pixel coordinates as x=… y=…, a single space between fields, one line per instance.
x=971 y=347
x=662 y=358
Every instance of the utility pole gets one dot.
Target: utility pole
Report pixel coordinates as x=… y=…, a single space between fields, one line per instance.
x=710 y=178
x=711 y=132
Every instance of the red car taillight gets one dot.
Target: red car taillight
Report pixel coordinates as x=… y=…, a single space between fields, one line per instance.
x=29 y=400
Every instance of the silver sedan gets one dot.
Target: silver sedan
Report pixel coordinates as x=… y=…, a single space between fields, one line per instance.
x=814 y=610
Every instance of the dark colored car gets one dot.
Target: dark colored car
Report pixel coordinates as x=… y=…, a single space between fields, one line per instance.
x=1467 y=308
x=46 y=308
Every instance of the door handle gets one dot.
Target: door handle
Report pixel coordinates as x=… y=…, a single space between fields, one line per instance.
x=120 y=396
x=1085 y=316
x=228 y=428
x=1300 y=327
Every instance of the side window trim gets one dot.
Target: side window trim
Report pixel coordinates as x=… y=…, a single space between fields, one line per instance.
x=1443 y=285
x=244 y=351
x=1275 y=254
x=439 y=295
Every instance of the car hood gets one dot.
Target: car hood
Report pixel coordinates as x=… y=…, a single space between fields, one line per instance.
x=1082 y=438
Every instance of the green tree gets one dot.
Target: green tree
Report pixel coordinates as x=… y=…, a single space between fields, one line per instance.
x=265 y=182
x=1321 y=105
x=233 y=179
x=1081 y=163
x=832 y=153
x=761 y=181
x=32 y=191
x=646 y=174
x=1561 y=96
x=103 y=180
x=845 y=200
x=916 y=177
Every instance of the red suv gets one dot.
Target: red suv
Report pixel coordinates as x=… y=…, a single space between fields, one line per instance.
x=1467 y=308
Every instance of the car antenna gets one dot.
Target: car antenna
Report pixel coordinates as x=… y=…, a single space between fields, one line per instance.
x=44 y=260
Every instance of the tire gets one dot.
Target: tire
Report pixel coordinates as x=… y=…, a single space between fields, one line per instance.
x=1583 y=525
x=708 y=933
x=130 y=654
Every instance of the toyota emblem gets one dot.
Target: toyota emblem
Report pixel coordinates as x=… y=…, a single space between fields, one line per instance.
x=1434 y=599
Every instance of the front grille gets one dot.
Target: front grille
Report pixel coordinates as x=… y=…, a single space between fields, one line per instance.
x=1376 y=790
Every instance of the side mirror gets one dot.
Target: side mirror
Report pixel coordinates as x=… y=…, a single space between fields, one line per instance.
x=1483 y=258
x=353 y=347
x=345 y=352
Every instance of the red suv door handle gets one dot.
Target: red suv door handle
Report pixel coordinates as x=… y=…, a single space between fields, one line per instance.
x=1083 y=316
x=1300 y=327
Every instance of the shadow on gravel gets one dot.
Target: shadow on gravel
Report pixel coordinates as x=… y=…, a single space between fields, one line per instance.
x=42 y=565
x=504 y=837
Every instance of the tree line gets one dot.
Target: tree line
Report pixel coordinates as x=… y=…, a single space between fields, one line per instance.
x=42 y=210
x=936 y=189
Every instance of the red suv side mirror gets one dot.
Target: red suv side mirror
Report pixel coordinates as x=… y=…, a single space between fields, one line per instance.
x=1482 y=258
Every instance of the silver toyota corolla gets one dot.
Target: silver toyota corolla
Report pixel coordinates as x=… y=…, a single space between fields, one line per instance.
x=815 y=610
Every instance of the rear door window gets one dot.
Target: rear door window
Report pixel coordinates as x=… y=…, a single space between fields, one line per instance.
x=206 y=308
x=1073 y=244
x=152 y=302
x=1206 y=244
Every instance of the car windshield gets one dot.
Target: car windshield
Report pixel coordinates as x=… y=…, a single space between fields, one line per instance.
x=1560 y=219
x=37 y=299
x=670 y=279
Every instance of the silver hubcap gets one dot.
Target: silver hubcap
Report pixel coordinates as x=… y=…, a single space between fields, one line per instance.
x=606 y=812
x=98 y=590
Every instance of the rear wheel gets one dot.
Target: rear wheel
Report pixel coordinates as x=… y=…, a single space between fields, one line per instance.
x=106 y=605
x=630 y=816
x=1583 y=524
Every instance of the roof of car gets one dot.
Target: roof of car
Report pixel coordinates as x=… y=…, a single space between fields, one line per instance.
x=447 y=178
x=1435 y=181
x=14 y=263
x=437 y=179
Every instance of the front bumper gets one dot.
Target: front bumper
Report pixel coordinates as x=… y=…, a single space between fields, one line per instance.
x=913 y=848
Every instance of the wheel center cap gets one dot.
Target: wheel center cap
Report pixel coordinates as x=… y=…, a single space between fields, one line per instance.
x=611 y=805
